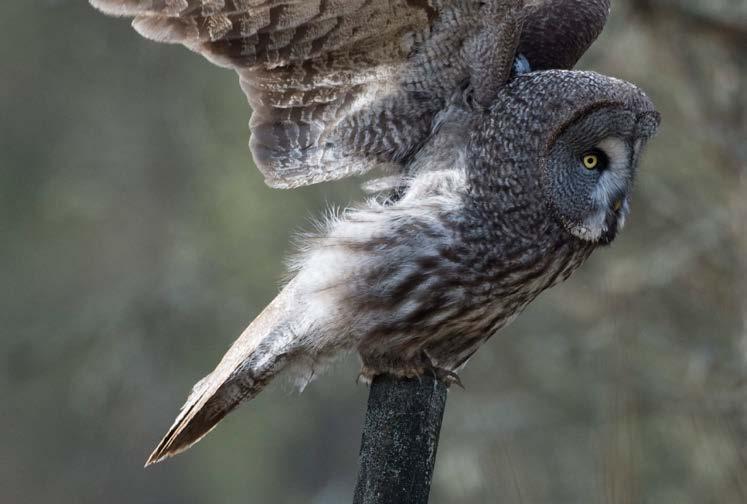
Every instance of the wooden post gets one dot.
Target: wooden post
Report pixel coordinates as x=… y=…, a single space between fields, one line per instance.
x=400 y=437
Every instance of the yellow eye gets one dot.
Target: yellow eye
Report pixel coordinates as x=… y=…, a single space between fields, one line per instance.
x=591 y=161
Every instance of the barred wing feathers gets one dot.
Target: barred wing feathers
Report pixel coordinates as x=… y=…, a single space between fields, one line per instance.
x=337 y=87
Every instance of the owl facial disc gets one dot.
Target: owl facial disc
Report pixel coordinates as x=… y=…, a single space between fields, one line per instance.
x=590 y=170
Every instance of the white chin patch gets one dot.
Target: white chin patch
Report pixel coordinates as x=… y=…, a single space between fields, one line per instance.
x=597 y=226
x=589 y=231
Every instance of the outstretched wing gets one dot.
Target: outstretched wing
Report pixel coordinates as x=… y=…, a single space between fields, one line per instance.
x=336 y=87
x=339 y=87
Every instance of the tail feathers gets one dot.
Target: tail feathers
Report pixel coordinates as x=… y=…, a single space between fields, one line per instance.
x=253 y=360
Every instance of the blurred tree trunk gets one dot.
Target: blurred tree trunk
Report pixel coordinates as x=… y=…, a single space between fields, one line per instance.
x=708 y=38
x=724 y=13
x=715 y=64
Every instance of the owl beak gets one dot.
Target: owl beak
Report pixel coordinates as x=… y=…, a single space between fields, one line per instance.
x=614 y=221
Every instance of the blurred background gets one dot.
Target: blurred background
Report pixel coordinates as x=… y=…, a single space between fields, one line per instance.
x=137 y=240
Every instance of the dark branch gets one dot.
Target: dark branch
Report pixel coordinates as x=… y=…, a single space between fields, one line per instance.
x=400 y=437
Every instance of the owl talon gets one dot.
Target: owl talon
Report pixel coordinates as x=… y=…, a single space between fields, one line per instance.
x=366 y=375
x=456 y=380
x=447 y=376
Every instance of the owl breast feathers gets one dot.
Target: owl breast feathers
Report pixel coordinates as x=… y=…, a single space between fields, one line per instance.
x=497 y=184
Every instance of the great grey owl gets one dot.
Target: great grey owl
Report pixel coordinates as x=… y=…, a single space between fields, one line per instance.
x=497 y=179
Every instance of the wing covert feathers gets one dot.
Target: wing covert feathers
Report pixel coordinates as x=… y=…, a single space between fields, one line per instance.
x=255 y=357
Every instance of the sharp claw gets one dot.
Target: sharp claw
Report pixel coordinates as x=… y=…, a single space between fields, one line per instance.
x=365 y=375
x=445 y=375
x=456 y=379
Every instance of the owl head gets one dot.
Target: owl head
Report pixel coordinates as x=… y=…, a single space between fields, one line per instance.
x=583 y=137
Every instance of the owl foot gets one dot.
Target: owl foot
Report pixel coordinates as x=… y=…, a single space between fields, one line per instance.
x=447 y=376
x=367 y=373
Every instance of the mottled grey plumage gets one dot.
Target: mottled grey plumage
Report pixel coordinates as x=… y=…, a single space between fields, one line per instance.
x=491 y=198
x=557 y=33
